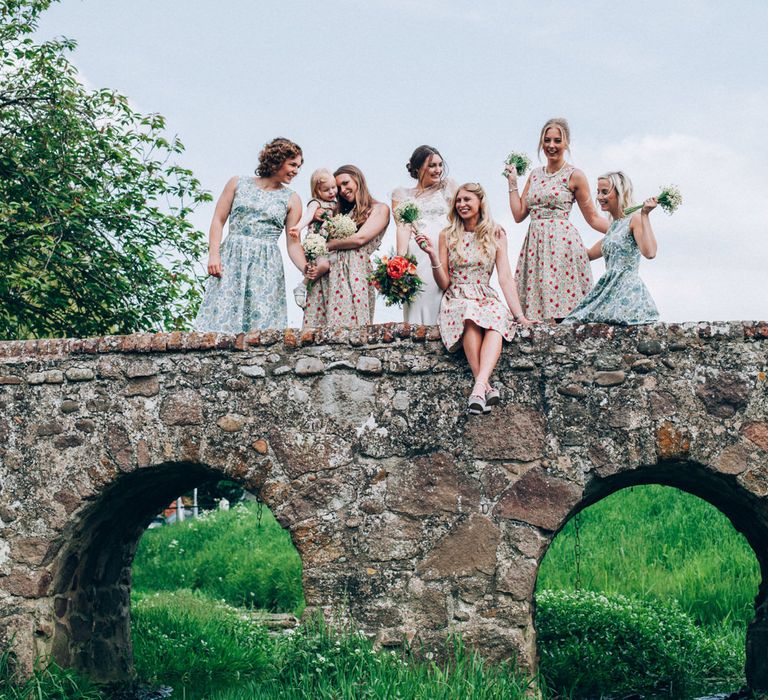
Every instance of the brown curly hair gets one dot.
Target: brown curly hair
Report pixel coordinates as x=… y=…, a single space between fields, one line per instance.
x=274 y=154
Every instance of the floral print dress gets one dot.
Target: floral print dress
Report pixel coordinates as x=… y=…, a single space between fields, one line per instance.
x=619 y=295
x=351 y=297
x=470 y=296
x=250 y=294
x=434 y=205
x=315 y=312
x=553 y=273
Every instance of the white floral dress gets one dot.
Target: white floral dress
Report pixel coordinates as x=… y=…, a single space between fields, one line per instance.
x=434 y=205
x=470 y=297
x=553 y=273
x=250 y=294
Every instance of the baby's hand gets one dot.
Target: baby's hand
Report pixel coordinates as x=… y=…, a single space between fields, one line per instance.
x=293 y=232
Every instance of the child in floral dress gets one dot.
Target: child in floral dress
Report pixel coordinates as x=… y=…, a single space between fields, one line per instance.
x=471 y=313
x=323 y=188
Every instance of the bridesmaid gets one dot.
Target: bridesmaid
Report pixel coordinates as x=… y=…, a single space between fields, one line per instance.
x=246 y=287
x=471 y=314
x=553 y=273
x=620 y=295
x=351 y=297
x=432 y=194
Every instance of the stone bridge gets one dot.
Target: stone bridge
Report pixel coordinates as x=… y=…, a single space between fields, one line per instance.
x=412 y=518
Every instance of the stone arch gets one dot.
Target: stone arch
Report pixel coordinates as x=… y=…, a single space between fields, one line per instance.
x=91 y=584
x=742 y=507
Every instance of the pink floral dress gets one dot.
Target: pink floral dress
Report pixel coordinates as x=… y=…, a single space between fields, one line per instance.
x=553 y=273
x=469 y=296
x=350 y=296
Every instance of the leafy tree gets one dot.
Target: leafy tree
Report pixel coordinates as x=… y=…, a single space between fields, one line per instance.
x=95 y=236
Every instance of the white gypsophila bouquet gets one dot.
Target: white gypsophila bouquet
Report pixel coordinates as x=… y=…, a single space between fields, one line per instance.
x=669 y=200
x=521 y=162
x=340 y=226
x=314 y=247
x=407 y=212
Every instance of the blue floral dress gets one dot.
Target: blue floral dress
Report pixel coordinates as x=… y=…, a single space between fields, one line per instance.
x=250 y=294
x=619 y=295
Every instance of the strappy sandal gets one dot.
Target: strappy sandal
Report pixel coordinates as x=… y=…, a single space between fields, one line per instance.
x=476 y=404
x=492 y=396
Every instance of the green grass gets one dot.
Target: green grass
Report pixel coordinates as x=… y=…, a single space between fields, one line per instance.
x=182 y=635
x=227 y=555
x=48 y=681
x=659 y=543
x=591 y=644
x=317 y=663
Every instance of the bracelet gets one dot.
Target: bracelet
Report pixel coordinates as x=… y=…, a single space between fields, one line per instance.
x=437 y=267
x=513 y=189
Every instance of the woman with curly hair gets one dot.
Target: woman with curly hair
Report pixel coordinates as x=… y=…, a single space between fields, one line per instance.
x=246 y=287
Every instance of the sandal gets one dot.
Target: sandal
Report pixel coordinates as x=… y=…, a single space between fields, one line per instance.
x=492 y=395
x=476 y=404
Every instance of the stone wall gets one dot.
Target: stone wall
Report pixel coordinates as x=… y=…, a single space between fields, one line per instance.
x=413 y=519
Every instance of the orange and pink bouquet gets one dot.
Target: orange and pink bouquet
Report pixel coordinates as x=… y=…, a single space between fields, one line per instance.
x=395 y=278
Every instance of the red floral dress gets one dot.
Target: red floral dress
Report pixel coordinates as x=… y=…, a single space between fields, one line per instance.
x=350 y=296
x=469 y=296
x=553 y=273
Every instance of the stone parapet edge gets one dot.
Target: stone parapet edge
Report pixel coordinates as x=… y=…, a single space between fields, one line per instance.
x=376 y=334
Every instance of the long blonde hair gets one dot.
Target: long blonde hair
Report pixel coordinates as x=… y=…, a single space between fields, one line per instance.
x=623 y=185
x=361 y=208
x=565 y=133
x=485 y=231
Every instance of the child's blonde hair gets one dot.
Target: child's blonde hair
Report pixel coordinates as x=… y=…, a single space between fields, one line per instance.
x=319 y=177
x=485 y=232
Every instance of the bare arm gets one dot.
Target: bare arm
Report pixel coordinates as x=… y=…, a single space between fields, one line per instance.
x=580 y=187
x=305 y=220
x=517 y=203
x=377 y=221
x=220 y=216
x=403 y=232
x=293 y=245
x=438 y=258
x=643 y=231
x=596 y=251
x=507 y=281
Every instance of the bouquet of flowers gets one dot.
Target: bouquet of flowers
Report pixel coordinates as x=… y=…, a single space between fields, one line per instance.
x=521 y=162
x=669 y=200
x=340 y=226
x=408 y=213
x=395 y=278
x=314 y=247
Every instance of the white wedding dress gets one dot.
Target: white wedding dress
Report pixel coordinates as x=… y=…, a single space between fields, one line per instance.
x=433 y=204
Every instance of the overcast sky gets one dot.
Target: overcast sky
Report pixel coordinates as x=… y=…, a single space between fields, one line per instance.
x=669 y=92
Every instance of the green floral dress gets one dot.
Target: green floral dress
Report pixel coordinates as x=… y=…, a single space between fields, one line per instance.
x=619 y=296
x=250 y=294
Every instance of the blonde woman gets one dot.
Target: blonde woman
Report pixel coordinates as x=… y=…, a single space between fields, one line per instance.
x=553 y=273
x=471 y=313
x=620 y=295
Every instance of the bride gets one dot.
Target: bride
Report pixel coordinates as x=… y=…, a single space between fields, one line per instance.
x=432 y=194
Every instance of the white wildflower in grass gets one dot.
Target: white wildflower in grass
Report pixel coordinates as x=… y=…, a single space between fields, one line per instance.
x=340 y=226
x=521 y=162
x=669 y=200
x=407 y=212
x=314 y=247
